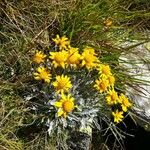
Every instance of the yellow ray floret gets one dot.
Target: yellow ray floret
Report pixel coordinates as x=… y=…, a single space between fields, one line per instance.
x=59 y=58
x=118 y=116
x=124 y=102
x=73 y=57
x=62 y=84
x=65 y=105
x=89 y=59
x=102 y=84
x=39 y=57
x=62 y=42
x=111 y=80
x=112 y=97
x=42 y=74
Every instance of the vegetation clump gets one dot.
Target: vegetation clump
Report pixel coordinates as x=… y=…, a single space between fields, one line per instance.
x=60 y=69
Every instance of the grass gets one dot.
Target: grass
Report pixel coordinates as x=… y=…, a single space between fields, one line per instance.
x=28 y=25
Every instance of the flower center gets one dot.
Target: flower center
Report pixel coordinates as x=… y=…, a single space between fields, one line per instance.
x=38 y=58
x=125 y=102
x=68 y=106
x=105 y=70
x=89 y=58
x=59 y=58
x=114 y=96
x=61 y=84
x=103 y=86
x=62 y=42
x=43 y=75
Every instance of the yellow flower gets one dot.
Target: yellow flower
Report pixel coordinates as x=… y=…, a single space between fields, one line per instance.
x=65 y=105
x=124 y=102
x=63 y=42
x=89 y=50
x=62 y=84
x=42 y=74
x=102 y=84
x=89 y=58
x=108 y=22
x=73 y=57
x=59 y=58
x=112 y=97
x=39 y=57
x=118 y=116
x=104 y=69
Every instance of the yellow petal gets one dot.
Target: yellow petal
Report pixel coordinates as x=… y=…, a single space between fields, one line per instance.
x=63 y=65
x=60 y=112
x=61 y=91
x=55 y=84
x=39 y=69
x=47 y=80
x=55 y=65
x=57 y=78
x=65 y=115
x=83 y=63
x=58 y=104
x=37 y=78
x=36 y=74
x=57 y=36
x=124 y=108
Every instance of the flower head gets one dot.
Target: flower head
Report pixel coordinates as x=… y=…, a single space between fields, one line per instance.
x=42 y=74
x=62 y=42
x=73 y=56
x=89 y=50
x=39 y=57
x=65 y=105
x=118 y=116
x=108 y=22
x=102 y=84
x=89 y=58
x=124 y=102
x=104 y=69
x=59 y=58
x=62 y=84
x=112 y=97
